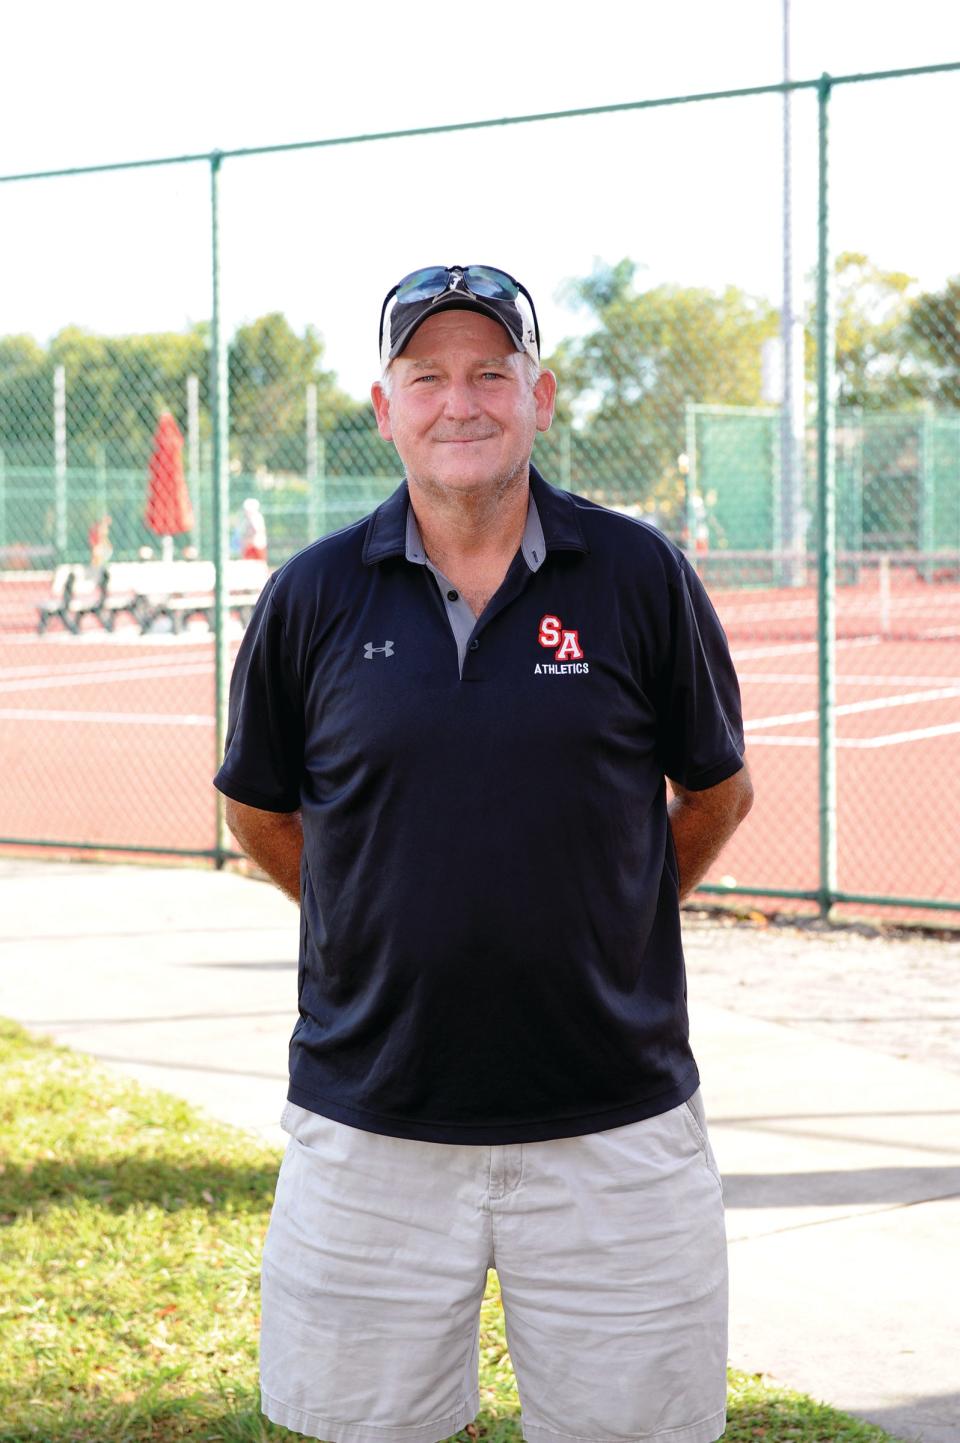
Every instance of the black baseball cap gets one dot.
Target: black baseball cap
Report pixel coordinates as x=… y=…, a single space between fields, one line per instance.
x=484 y=289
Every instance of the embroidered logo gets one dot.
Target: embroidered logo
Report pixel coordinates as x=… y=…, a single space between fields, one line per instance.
x=369 y=650
x=566 y=648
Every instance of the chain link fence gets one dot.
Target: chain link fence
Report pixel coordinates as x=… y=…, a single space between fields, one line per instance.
x=830 y=543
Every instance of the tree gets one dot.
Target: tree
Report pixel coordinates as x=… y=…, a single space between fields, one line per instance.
x=270 y=369
x=651 y=353
x=26 y=401
x=876 y=361
x=117 y=387
x=933 y=331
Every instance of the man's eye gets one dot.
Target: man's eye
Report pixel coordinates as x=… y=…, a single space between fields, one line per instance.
x=418 y=379
x=493 y=375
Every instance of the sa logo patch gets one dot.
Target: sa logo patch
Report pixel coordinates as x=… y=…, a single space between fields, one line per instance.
x=564 y=644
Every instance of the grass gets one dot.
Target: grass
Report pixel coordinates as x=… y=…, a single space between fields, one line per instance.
x=130 y=1234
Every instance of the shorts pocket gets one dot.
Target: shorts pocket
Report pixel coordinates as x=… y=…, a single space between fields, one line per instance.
x=693 y=1107
x=310 y=1129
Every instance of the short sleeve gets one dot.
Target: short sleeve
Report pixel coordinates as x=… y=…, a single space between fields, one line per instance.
x=699 y=722
x=263 y=757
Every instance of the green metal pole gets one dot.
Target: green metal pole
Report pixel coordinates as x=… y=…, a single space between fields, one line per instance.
x=927 y=497
x=566 y=457
x=219 y=405
x=856 y=505
x=313 y=468
x=100 y=482
x=826 y=524
x=60 y=461
x=690 y=480
x=193 y=460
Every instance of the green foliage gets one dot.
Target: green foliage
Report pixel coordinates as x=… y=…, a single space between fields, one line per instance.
x=626 y=384
x=117 y=386
x=270 y=367
x=933 y=331
x=876 y=361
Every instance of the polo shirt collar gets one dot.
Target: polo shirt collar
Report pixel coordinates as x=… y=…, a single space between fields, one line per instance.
x=532 y=543
x=552 y=525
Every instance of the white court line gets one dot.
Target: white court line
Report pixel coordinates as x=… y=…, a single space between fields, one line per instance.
x=73 y=681
x=847 y=678
x=100 y=717
x=893 y=739
x=797 y=648
x=195 y=636
x=104 y=666
x=852 y=708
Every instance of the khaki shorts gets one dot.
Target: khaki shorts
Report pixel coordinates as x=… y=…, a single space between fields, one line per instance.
x=611 y=1255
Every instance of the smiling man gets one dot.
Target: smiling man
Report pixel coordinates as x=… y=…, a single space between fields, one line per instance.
x=451 y=731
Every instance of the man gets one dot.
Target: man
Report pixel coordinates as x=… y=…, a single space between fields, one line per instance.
x=450 y=730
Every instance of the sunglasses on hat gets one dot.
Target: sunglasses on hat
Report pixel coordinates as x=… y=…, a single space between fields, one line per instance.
x=494 y=290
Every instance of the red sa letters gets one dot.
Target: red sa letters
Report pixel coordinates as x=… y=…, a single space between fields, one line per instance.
x=565 y=645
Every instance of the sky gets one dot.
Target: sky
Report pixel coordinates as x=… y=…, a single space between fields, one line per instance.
x=692 y=194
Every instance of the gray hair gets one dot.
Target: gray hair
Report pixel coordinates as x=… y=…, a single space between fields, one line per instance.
x=531 y=370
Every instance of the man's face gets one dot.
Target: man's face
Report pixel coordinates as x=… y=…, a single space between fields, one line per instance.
x=462 y=413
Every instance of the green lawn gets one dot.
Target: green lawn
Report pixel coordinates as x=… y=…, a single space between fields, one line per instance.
x=129 y=1252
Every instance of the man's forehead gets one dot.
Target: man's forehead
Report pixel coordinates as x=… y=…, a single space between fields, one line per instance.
x=503 y=359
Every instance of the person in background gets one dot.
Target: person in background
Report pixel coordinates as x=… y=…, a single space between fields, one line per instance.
x=253 y=532
x=101 y=548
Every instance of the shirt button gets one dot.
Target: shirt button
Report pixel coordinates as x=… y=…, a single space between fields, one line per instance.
x=453 y=596
x=474 y=645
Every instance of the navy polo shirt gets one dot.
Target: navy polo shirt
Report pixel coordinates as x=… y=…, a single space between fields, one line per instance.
x=490 y=936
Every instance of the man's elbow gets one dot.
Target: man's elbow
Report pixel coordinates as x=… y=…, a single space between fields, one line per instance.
x=250 y=825
x=743 y=795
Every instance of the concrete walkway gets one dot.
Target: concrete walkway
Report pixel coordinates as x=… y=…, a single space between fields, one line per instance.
x=841 y=1160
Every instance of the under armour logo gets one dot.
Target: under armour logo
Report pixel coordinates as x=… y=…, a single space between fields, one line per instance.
x=369 y=649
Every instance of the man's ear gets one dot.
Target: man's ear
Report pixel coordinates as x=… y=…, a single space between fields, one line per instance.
x=381 y=406
x=545 y=393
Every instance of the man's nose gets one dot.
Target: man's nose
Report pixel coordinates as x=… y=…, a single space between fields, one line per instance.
x=460 y=401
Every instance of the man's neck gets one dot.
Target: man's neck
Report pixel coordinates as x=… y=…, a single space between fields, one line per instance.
x=465 y=529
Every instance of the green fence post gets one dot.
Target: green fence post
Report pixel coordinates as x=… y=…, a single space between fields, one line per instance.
x=220 y=415
x=566 y=457
x=315 y=506
x=60 y=461
x=100 y=483
x=690 y=475
x=927 y=497
x=856 y=533
x=826 y=523
x=193 y=459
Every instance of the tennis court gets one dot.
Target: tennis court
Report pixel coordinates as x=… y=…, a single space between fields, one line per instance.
x=110 y=739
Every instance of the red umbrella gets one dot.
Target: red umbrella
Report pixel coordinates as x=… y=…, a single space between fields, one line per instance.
x=169 y=512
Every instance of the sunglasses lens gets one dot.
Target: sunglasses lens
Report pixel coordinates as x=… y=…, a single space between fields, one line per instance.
x=485 y=281
x=422 y=285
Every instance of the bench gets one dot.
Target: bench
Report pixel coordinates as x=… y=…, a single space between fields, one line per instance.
x=75 y=592
x=180 y=590
x=148 y=590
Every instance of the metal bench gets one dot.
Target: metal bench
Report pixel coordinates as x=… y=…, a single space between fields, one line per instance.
x=149 y=590
x=75 y=592
x=186 y=590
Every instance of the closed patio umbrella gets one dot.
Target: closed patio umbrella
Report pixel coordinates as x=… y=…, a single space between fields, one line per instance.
x=169 y=512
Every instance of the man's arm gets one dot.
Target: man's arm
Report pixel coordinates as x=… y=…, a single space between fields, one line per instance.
x=703 y=822
x=274 y=840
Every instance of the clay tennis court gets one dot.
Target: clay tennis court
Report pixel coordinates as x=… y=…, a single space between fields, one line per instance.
x=110 y=739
